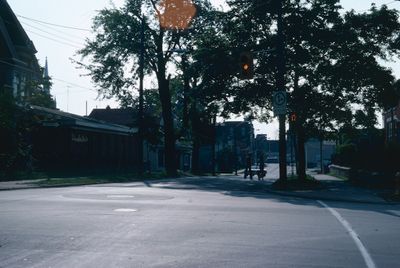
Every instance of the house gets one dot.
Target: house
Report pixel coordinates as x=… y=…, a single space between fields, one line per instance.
x=234 y=142
x=64 y=141
x=19 y=67
x=153 y=148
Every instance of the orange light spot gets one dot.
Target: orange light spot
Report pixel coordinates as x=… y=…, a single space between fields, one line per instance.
x=176 y=14
x=246 y=67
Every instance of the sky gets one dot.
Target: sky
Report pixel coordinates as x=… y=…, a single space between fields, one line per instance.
x=71 y=88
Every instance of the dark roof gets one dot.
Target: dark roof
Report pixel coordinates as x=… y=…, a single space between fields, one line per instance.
x=12 y=28
x=56 y=118
x=17 y=51
x=121 y=116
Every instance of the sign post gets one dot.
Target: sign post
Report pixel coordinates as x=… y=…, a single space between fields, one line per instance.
x=279 y=103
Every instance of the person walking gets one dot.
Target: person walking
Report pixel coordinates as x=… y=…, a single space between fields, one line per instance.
x=247 y=171
x=262 y=172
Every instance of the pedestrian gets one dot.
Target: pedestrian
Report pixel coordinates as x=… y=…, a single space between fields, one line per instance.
x=262 y=172
x=247 y=171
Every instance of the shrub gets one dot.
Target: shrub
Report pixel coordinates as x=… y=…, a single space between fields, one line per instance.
x=345 y=155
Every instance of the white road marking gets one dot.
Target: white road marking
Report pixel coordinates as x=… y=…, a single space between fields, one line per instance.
x=125 y=210
x=364 y=252
x=119 y=196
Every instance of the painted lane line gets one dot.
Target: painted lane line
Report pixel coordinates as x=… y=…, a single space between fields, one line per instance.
x=119 y=196
x=364 y=252
x=125 y=210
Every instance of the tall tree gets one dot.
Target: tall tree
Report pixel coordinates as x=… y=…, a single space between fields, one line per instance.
x=333 y=65
x=114 y=53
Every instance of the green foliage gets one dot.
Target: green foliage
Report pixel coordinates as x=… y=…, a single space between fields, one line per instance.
x=345 y=155
x=15 y=124
x=332 y=60
x=41 y=98
x=115 y=51
x=366 y=150
x=38 y=94
x=7 y=109
x=392 y=157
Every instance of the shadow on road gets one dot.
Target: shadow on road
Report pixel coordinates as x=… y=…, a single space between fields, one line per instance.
x=238 y=187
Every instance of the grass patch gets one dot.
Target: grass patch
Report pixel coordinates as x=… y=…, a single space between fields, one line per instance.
x=97 y=179
x=338 y=176
x=69 y=181
x=391 y=197
x=23 y=175
x=293 y=183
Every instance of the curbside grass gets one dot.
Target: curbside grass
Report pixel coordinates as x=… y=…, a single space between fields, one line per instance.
x=293 y=183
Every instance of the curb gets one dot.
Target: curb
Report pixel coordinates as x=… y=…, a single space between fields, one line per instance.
x=280 y=193
x=324 y=198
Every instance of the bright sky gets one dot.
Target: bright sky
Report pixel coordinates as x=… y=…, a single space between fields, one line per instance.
x=71 y=90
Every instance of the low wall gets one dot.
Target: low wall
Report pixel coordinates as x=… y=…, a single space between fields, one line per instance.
x=340 y=171
x=364 y=178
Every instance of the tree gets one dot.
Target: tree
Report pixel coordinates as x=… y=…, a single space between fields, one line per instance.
x=208 y=68
x=332 y=61
x=114 y=55
x=16 y=123
x=15 y=126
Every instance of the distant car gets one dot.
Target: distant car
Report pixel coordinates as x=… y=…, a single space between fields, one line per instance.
x=255 y=170
x=272 y=159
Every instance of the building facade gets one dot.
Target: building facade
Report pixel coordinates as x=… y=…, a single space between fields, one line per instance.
x=153 y=146
x=19 y=67
x=234 y=142
x=64 y=141
x=391 y=119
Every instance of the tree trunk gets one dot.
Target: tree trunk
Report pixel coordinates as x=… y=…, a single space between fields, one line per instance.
x=170 y=155
x=321 y=141
x=300 y=131
x=196 y=154
x=301 y=172
x=186 y=88
x=169 y=137
x=214 y=140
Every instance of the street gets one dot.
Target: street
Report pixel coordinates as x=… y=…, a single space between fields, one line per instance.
x=191 y=222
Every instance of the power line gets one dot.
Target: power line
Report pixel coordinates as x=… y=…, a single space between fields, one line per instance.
x=53 y=24
x=55 y=29
x=52 y=77
x=73 y=84
x=52 y=39
x=384 y=4
x=56 y=35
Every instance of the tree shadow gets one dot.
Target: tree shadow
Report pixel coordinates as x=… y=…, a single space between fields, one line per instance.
x=236 y=186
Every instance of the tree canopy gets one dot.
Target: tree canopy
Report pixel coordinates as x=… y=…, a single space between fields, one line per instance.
x=334 y=72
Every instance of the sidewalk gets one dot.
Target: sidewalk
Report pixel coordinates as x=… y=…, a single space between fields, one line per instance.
x=18 y=185
x=338 y=190
x=334 y=189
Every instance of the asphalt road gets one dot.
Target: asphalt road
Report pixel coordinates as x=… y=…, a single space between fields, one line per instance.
x=196 y=222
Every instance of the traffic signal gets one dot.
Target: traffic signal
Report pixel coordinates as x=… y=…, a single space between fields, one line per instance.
x=246 y=65
x=293 y=117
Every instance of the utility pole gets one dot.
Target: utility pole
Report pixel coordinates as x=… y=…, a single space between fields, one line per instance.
x=186 y=86
x=140 y=110
x=280 y=81
x=214 y=134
